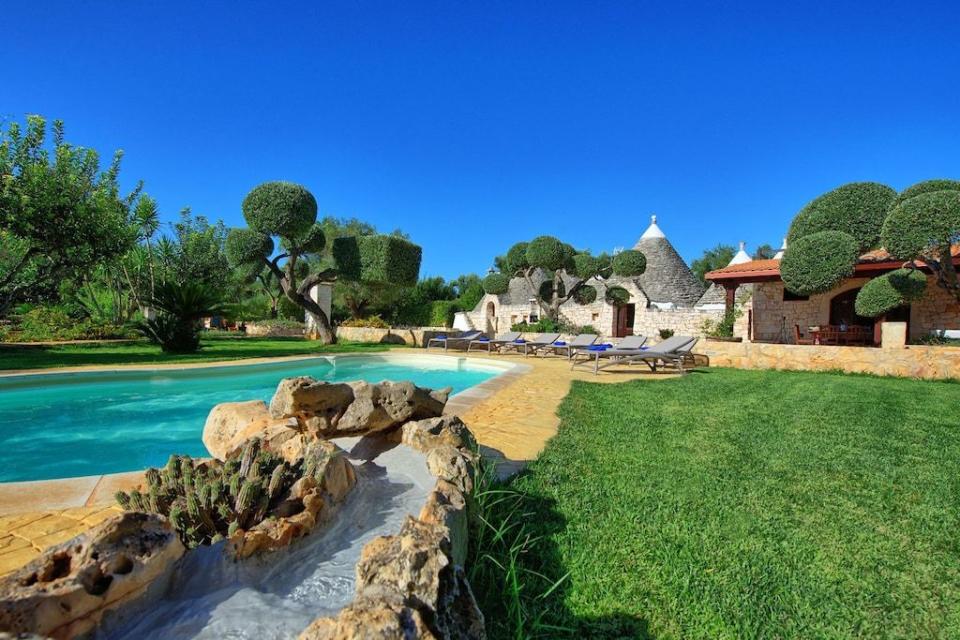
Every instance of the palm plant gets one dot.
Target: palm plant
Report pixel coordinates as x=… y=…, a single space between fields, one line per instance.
x=180 y=308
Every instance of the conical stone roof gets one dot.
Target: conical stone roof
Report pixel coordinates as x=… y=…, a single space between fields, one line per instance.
x=667 y=279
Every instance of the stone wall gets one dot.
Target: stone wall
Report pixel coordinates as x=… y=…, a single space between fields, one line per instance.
x=928 y=362
x=599 y=314
x=416 y=337
x=271 y=329
x=774 y=318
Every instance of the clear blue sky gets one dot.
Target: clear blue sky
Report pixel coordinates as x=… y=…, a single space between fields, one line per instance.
x=509 y=119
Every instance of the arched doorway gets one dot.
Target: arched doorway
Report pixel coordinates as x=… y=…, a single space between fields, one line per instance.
x=843 y=311
x=491 y=318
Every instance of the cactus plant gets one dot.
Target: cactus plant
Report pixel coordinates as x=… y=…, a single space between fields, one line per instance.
x=211 y=500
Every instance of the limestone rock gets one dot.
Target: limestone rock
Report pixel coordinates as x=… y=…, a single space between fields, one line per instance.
x=307 y=397
x=430 y=433
x=381 y=406
x=66 y=591
x=226 y=420
x=453 y=465
x=447 y=507
x=416 y=566
x=386 y=618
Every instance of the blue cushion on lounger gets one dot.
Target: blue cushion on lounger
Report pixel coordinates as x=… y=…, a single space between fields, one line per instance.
x=560 y=343
x=440 y=338
x=519 y=341
x=483 y=339
x=597 y=347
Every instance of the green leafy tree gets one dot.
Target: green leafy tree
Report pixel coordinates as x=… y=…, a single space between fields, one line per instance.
x=289 y=212
x=764 y=252
x=179 y=310
x=59 y=212
x=919 y=226
x=712 y=259
x=566 y=270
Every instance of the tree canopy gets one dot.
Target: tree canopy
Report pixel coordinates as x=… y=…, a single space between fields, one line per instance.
x=60 y=213
x=919 y=226
x=712 y=259
x=288 y=211
x=567 y=271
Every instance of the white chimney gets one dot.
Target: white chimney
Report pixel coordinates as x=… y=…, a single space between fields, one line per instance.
x=741 y=256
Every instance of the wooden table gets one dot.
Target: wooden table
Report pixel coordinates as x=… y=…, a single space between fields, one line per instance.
x=839 y=335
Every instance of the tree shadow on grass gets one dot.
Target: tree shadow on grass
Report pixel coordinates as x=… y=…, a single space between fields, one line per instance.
x=518 y=574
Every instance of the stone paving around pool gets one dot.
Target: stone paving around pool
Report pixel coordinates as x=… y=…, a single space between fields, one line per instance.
x=512 y=416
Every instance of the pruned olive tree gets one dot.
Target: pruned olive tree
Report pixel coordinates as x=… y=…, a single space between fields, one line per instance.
x=567 y=272
x=920 y=226
x=289 y=212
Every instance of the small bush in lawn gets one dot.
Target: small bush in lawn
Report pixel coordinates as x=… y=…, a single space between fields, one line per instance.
x=373 y=322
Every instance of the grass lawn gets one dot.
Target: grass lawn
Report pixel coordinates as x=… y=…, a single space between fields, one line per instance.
x=734 y=504
x=142 y=352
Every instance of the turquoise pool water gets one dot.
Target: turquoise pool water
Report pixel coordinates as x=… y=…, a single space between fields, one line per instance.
x=81 y=424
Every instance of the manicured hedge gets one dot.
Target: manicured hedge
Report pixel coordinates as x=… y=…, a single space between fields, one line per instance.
x=889 y=291
x=586 y=266
x=548 y=253
x=585 y=294
x=928 y=186
x=280 y=209
x=921 y=222
x=617 y=295
x=377 y=258
x=818 y=262
x=314 y=240
x=246 y=246
x=496 y=283
x=857 y=209
x=629 y=262
x=442 y=312
x=517 y=257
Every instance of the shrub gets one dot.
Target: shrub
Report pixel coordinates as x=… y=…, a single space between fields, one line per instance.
x=496 y=283
x=666 y=333
x=629 y=262
x=585 y=294
x=287 y=309
x=856 y=209
x=179 y=310
x=246 y=247
x=548 y=253
x=921 y=223
x=280 y=208
x=722 y=328
x=471 y=296
x=927 y=186
x=543 y=325
x=818 y=262
x=373 y=322
x=517 y=257
x=442 y=312
x=54 y=324
x=585 y=266
x=889 y=291
x=378 y=258
x=616 y=295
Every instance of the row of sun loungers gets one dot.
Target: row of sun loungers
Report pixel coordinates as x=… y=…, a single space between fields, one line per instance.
x=582 y=350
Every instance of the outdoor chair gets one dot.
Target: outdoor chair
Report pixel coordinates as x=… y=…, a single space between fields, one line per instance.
x=672 y=352
x=628 y=346
x=462 y=340
x=495 y=343
x=529 y=346
x=581 y=341
x=798 y=337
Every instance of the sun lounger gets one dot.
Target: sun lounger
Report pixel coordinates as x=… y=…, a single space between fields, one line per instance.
x=581 y=341
x=671 y=352
x=531 y=345
x=495 y=343
x=462 y=340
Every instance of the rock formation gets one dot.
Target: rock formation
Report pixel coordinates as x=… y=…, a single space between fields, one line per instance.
x=66 y=591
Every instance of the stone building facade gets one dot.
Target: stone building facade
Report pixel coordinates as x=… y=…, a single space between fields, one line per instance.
x=666 y=296
x=772 y=314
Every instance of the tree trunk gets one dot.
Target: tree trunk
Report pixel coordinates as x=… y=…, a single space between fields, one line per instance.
x=324 y=330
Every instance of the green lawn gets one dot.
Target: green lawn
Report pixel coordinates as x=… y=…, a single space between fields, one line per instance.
x=735 y=504
x=142 y=352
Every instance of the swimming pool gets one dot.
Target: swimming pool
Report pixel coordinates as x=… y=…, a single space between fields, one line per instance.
x=91 y=423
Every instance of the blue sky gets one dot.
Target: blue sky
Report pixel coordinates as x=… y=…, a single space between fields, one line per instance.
x=472 y=126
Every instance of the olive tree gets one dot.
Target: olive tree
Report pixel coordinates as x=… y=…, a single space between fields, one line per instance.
x=919 y=226
x=289 y=212
x=567 y=272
